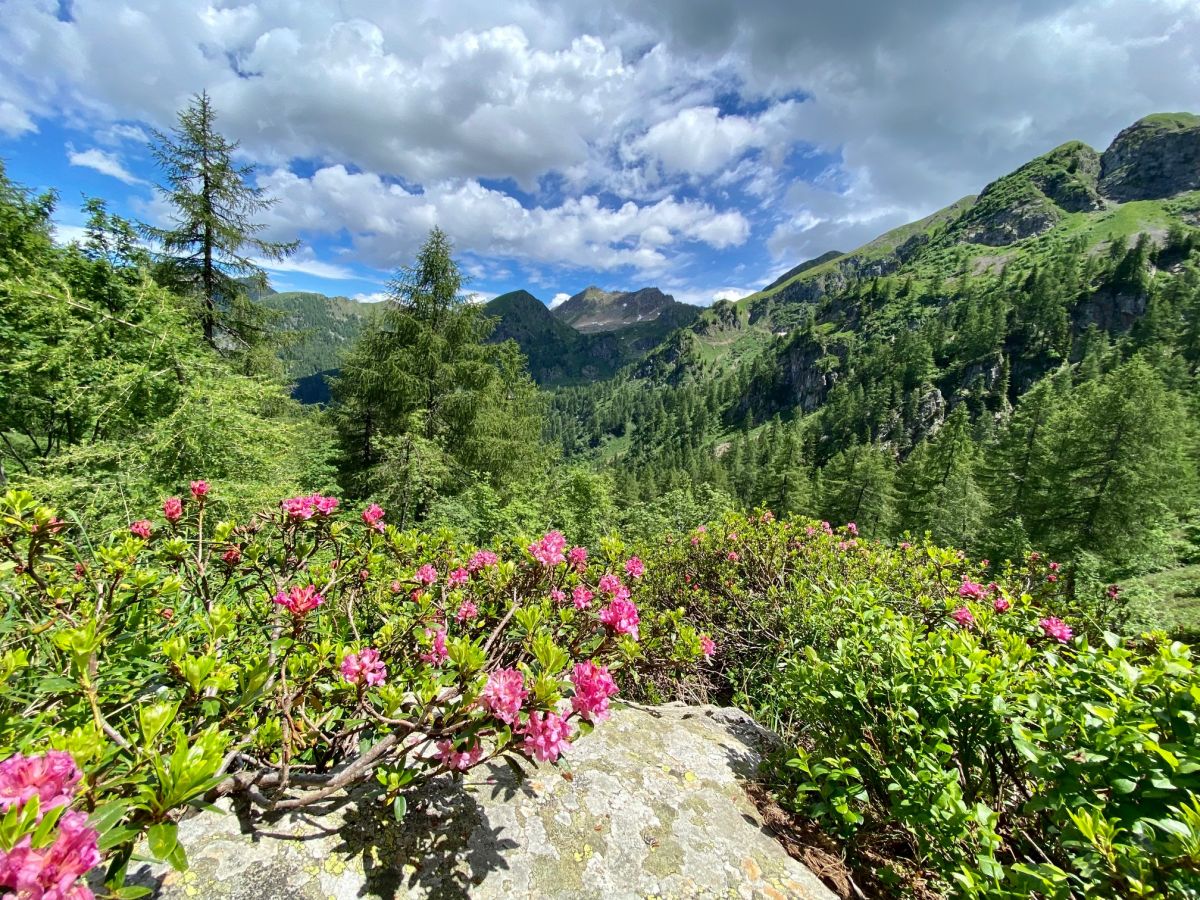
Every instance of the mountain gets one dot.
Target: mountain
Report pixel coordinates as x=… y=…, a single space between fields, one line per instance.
x=593 y=310
x=316 y=328
x=560 y=353
x=999 y=373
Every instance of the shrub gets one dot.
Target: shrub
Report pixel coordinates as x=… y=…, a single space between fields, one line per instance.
x=286 y=658
x=988 y=732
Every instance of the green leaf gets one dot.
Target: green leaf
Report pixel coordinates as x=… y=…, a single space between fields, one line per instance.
x=399 y=808
x=163 y=838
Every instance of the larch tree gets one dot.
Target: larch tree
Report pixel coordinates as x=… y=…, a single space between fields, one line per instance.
x=210 y=247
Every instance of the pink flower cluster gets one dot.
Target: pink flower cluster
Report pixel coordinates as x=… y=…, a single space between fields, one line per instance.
x=581 y=597
x=621 y=616
x=707 y=646
x=437 y=652
x=549 y=551
x=577 y=557
x=301 y=508
x=458 y=578
x=51 y=777
x=547 y=735
x=610 y=584
x=364 y=668
x=199 y=489
x=141 y=528
x=372 y=517
x=1056 y=628
x=50 y=872
x=635 y=568
x=466 y=610
x=593 y=687
x=1001 y=604
x=504 y=694
x=963 y=617
x=483 y=559
x=458 y=760
x=172 y=509
x=971 y=589
x=427 y=575
x=299 y=600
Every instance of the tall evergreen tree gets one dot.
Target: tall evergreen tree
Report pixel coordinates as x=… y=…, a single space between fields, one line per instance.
x=209 y=248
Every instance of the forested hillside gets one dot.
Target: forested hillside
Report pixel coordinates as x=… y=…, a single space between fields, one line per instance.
x=929 y=509
x=1018 y=370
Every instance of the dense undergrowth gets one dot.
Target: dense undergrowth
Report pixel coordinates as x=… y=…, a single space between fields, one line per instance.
x=976 y=736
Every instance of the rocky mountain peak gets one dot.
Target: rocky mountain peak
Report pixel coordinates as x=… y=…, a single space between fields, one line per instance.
x=593 y=309
x=1155 y=157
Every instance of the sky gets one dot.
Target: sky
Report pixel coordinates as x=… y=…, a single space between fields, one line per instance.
x=700 y=146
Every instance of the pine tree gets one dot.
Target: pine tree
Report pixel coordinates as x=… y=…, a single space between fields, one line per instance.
x=207 y=250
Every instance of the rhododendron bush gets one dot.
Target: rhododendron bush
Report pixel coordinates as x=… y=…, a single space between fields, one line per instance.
x=978 y=731
x=308 y=650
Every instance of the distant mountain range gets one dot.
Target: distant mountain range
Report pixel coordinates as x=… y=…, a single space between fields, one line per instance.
x=1146 y=182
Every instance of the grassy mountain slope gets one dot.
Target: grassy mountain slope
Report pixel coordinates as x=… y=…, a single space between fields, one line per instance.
x=318 y=328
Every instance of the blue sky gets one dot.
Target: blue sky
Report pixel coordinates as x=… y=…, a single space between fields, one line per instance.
x=703 y=147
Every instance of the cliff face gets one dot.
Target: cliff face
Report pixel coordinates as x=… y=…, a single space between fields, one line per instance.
x=651 y=804
x=1155 y=157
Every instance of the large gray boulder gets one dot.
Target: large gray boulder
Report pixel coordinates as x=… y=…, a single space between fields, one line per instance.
x=651 y=804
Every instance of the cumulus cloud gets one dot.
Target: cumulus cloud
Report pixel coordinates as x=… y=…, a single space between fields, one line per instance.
x=387 y=222
x=103 y=162
x=617 y=134
x=559 y=299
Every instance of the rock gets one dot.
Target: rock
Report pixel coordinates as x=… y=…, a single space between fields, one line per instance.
x=650 y=804
x=1155 y=157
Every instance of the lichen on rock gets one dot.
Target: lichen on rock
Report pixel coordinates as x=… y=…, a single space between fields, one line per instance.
x=651 y=804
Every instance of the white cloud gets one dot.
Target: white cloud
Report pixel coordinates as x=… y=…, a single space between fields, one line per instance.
x=731 y=294
x=372 y=297
x=700 y=140
x=387 y=223
x=559 y=299
x=103 y=162
x=67 y=234
x=306 y=264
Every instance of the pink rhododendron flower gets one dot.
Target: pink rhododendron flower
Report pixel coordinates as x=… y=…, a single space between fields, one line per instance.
x=609 y=584
x=51 y=873
x=458 y=760
x=1001 y=605
x=547 y=735
x=372 y=516
x=963 y=617
x=1054 y=567
x=549 y=550
x=483 y=559
x=172 y=509
x=297 y=508
x=458 y=578
x=732 y=556
x=364 y=668
x=437 y=653
x=701 y=529
x=593 y=687
x=504 y=694
x=707 y=646
x=427 y=574
x=581 y=597
x=1113 y=591
x=558 y=596
x=232 y=556
x=395 y=587
x=299 y=601
x=905 y=545
x=635 y=568
x=621 y=616
x=578 y=557
x=199 y=489
x=466 y=610
x=325 y=506
x=826 y=527
x=50 y=776
x=141 y=528
x=695 y=540
x=852 y=528
x=1056 y=628
x=971 y=589
x=1052 y=578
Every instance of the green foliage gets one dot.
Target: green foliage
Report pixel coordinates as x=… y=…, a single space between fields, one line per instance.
x=206 y=249
x=423 y=407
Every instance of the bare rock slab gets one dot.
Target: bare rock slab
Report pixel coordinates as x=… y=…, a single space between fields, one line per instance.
x=650 y=805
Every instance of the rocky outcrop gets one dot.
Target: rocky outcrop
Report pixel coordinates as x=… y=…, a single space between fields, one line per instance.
x=651 y=804
x=593 y=310
x=1155 y=157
